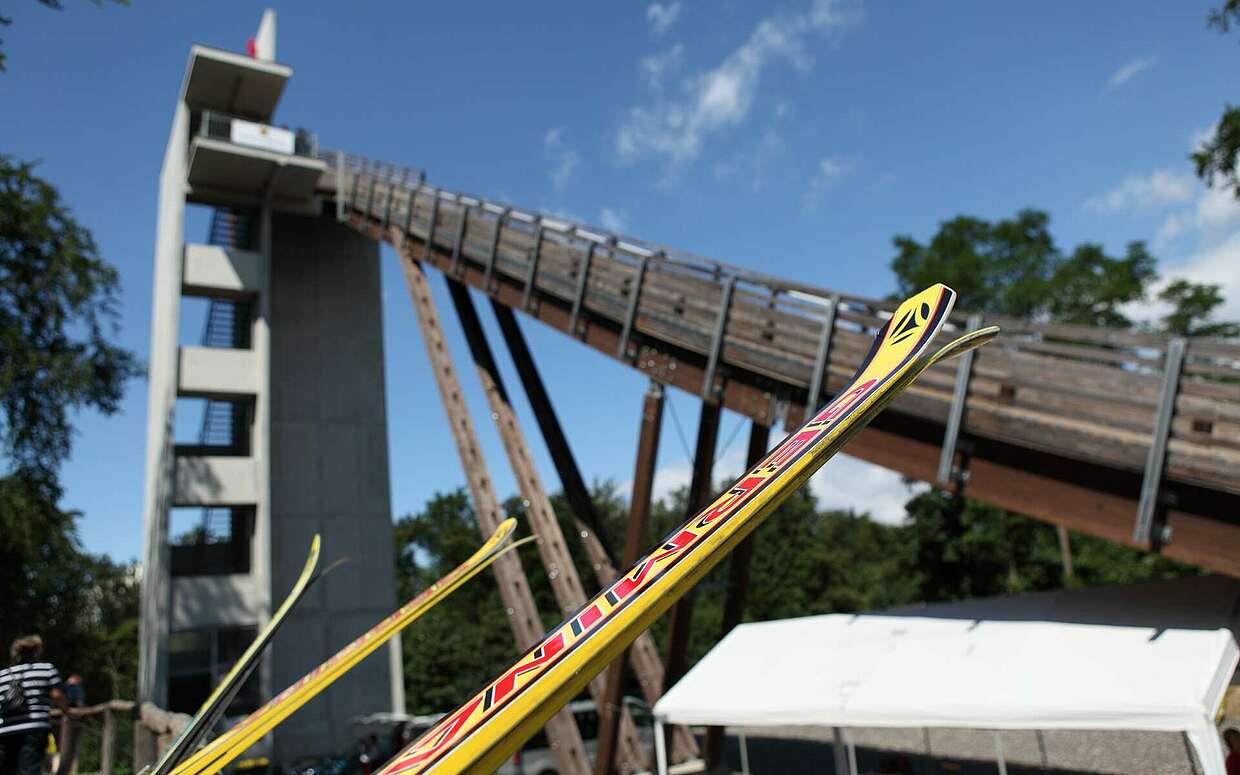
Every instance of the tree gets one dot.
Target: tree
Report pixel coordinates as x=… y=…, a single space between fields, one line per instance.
x=998 y=267
x=1217 y=156
x=58 y=310
x=85 y=606
x=1014 y=268
x=1088 y=287
x=57 y=313
x=1194 y=305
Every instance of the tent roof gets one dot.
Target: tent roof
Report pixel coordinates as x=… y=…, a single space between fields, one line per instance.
x=1155 y=655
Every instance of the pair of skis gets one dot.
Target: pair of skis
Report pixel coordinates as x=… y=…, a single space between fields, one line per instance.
x=481 y=734
x=214 y=706
x=181 y=758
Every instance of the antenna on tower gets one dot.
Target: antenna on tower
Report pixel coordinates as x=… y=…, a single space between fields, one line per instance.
x=263 y=44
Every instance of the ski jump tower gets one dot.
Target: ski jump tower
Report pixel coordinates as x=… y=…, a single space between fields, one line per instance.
x=288 y=376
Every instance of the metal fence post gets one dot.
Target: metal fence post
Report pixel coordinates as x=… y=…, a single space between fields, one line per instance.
x=1151 y=482
x=955 y=413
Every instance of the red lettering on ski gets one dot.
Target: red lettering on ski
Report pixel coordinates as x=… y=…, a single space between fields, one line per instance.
x=843 y=403
x=728 y=503
x=508 y=682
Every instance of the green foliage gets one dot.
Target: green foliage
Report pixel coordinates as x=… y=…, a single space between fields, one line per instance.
x=85 y=606
x=58 y=307
x=1088 y=287
x=1223 y=17
x=1013 y=267
x=966 y=548
x=1194 y=305
x=998 y=267
x=1217 y=156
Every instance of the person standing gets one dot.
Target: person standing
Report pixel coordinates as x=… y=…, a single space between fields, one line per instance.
x=28 y=687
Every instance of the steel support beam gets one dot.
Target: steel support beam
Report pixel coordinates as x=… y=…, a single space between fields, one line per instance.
x=819 y=378
x=583 y=283
x=738 y=582
x=948 y=472
x=717 y=340
x=562 y=732
x=462 y=219
x=575 y=489
x=370 y=197
x=433 y=223
x=340 y=185
x=700 y=488
x=531 y=274
x=630 y=317
x=494 y=251
x=1155 y=462
x=562 y=573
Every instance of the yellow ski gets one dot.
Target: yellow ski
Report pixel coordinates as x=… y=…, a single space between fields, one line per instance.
x=227 y=747
x=484 y=732
x=215 y=705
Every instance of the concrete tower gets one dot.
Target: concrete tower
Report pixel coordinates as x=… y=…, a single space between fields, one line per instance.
x=288 y=379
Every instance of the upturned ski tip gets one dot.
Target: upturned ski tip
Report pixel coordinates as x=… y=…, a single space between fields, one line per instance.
x=963 y=344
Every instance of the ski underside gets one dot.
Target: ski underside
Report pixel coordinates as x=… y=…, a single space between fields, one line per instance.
x=486 y=730
x=220 y=752
x=213 y=708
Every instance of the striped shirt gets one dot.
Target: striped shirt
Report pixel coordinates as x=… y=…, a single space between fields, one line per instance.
x=37 y=681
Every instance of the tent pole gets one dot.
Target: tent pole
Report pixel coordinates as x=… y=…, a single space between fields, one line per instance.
x=852 y=754
x=744 y=753
x=660 y=748
x=999 y=754
x=837 y=747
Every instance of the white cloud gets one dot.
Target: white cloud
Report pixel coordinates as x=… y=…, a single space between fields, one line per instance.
x=827 y=173
x=613 y=220
x=657 y=67
x=722 y=96
x=1160 y=188
x=1214 y=211
x=831 y=170
x=849 y=483
x=1208 y=238
x=670 y=477
x=1216 y=264
x=1202 y=245
x=662 y=16
x=1130 y=70
x=564 y=160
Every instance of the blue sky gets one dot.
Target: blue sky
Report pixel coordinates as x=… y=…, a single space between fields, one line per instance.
x=796 y=137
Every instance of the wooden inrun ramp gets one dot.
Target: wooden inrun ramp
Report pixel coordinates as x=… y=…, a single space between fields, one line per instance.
x=1130 y=436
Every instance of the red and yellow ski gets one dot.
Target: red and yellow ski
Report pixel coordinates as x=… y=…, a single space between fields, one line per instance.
x=486 y=730
x=228 y=746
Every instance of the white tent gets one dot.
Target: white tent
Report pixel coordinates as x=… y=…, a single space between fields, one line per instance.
x=1150 y=656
